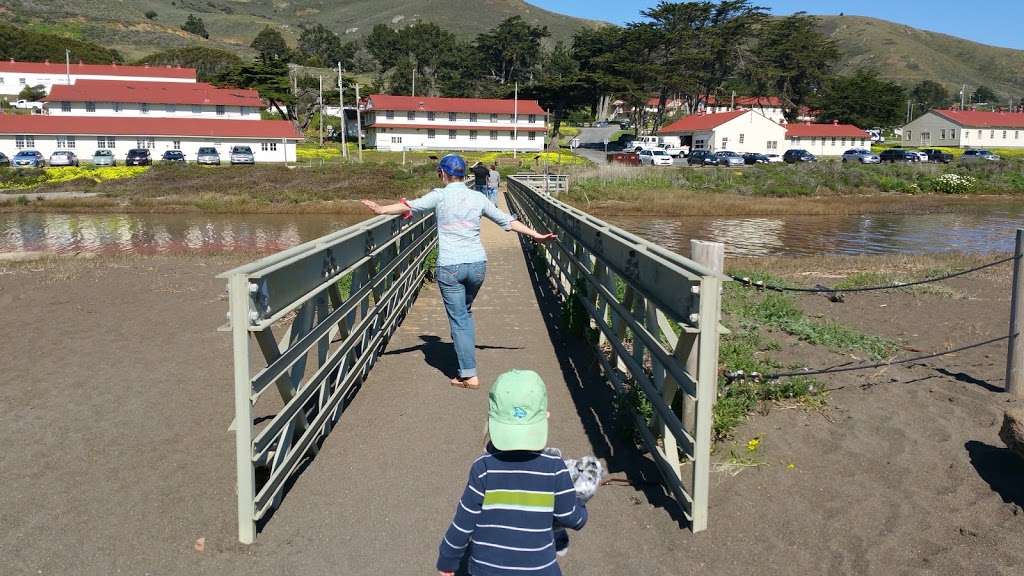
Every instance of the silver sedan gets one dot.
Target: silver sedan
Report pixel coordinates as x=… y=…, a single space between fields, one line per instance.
x=727 y=158
x=861 y=155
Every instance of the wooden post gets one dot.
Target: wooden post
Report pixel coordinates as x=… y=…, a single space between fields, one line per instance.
x=1015 y=350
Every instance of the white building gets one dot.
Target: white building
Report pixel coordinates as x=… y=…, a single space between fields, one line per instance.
x=826 y=139
x=270 y=140
x=15 y=75
x=966 y=128
x=422 y=123
x=736 y=130
x=125 y=99
x=768 y=106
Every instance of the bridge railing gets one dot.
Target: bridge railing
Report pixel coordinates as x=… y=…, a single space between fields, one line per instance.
x=335 y=301
x=554 y=184
x=654 y=317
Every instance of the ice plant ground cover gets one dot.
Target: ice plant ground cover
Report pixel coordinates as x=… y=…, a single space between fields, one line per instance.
x=14 y=179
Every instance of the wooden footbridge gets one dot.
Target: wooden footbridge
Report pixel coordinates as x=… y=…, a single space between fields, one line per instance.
x=345 y=334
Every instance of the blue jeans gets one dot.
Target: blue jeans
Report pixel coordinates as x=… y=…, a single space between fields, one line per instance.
x=459 y=285
x=492 y=194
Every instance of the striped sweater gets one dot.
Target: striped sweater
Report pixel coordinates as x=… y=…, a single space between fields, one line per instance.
x=505 y=517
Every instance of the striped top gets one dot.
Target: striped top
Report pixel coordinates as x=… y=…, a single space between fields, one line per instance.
x=506 y=514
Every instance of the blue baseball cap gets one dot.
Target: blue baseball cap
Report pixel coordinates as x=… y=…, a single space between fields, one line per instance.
x=452 y=165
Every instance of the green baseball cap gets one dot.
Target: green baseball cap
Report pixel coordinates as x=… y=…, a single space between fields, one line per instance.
x=517 y=416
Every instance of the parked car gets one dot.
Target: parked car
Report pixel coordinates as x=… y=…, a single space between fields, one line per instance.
x=978 y=156
x=755 y=158
x=701 y=158
x=63 y=158
x=655 y=157
x=208 y=155
x=921 y=156
x=773 y=158
x=798 y=155
x=32 y=158
x=898 y=155
x=28 y=105
x=242 y=155
x=938 y=156
x=862 y=155
x=138 y=157
x=104 y=158
x=173 y=156
x=4 y=160
x=727 y=158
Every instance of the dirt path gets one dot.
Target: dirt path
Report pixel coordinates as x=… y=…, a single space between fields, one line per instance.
x=117 y=456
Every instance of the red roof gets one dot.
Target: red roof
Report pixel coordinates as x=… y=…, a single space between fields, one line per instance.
x=98 y=69
x=824 y=130
x=698 y=122
x=748 y=101
x=478 y=105
x=107 y=126
x=482 y=127
x=153 y=93
x=976 y=119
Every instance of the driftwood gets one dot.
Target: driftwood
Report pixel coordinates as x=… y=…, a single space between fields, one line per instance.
x=1012 y=432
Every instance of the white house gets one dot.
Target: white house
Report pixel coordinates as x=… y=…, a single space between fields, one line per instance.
x=15 y=75
x=124 y=99
x=415 y=122
x=270 y=140
x=736 y=130
x=826 y=139
x=966 y=128
x=768 y=106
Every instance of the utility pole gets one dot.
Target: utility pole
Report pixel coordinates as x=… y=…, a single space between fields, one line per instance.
x=341 y=110
x=359 y=124
x=515 y=121
x=963 y=91
x=321 y=103
x=67 y=58
x=414 y=78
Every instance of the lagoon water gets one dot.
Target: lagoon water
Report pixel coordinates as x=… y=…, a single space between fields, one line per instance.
x=983 y=230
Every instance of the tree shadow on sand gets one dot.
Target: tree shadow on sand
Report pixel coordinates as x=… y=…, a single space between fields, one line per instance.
x=1001 y=468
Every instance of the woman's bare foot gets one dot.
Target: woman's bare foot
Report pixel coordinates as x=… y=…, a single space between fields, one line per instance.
x=471 y=383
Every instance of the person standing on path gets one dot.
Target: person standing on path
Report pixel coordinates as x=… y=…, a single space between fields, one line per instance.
x=493 y=181
x=461 y=260
x=480 y=175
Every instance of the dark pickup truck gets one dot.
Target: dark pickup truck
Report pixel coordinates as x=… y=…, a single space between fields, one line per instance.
x=938 y=156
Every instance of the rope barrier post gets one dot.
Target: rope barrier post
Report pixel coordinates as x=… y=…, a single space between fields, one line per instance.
x=1015 y=347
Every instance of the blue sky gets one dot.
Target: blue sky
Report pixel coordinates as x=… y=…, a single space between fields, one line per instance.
x=995 y=22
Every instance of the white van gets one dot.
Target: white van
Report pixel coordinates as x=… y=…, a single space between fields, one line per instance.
x=670 y=144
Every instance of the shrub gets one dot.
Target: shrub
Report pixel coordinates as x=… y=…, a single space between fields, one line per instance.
x=952 y=184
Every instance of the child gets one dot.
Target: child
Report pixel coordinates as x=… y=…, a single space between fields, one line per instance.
x=515 y=491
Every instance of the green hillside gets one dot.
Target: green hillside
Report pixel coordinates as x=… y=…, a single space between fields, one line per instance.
x=908 y=55
x=232 y=24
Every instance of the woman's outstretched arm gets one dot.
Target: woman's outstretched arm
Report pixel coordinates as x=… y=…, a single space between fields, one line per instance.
x=525 y=230
x=396 y=208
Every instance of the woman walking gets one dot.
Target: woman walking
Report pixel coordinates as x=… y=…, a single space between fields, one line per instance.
x=461 y=260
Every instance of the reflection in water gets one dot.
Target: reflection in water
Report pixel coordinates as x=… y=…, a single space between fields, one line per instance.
x=985 y=230
x=161 y=233
x=990 y=229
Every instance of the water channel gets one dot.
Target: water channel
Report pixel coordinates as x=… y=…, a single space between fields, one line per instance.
x=982 y=230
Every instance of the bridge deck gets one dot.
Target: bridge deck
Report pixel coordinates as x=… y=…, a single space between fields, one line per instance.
x=384 y=486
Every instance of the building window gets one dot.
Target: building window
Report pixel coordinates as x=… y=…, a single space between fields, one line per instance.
x=24 y=141
x=396 y=139
x=430 y=133
x=772 y=145
x=145 y=143
x=144 y=108
x=430 y=116
x=21 y=81
x=1004 y=134
x=796 y=139
x=952 y=134
x=741 y=138
x=65 y=141
x=243 y=110
x=725 y=143
x=117 y=106
x=220 y=109
x=472 y=116
x=979 y=134
x=532 y=136
x=268 y=146
x=451 y=116
x=533 y=118
x=926 y=137
x=833 y=140
x=494 y=117
x=197 y=109
x=698 y=144
x=65 y=106
x=451 y=134
x=389 y=114
x=472 y=134
x=494 y=134
x=90 y=106
x=410 y=115
x=176 y=144
x=170 y=109
x=105 y=142
x=1016 y=134
x=909 y=135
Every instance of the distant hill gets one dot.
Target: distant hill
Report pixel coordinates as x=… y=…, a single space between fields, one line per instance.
x=232 y=24
x=908 y=55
